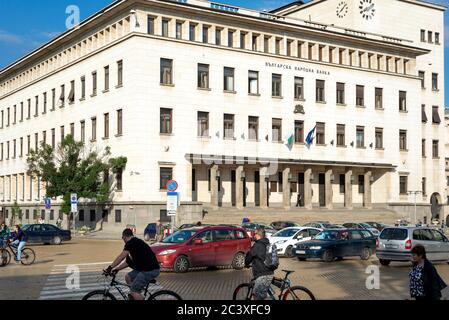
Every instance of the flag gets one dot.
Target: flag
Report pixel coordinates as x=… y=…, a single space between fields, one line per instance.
x=290 y=139
x=310 y=137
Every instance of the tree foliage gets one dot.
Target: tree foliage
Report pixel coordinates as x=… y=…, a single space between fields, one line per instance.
x=73 y=168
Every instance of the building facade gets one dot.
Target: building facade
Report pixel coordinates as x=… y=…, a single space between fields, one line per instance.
x=312 y=105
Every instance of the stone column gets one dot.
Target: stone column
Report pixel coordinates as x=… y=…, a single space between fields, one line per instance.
x=263 y=188
x=367 y=194
x=239 y=187
x=214 y=187
x=328 y=188
x=348 y=189
x=287 y=193
x=307 y=189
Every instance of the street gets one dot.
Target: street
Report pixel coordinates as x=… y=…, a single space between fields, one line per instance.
x=46 y=279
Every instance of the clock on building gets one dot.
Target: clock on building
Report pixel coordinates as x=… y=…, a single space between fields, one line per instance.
x=342 y=9
x=367 y=9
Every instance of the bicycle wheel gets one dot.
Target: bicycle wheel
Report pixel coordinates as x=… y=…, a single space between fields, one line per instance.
x=242 y=292
x=99 y=295
x=5 y=257
x=164 y=295
x=28 y=256
x=298 y=293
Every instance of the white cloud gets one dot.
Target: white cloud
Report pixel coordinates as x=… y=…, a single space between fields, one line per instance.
x=10 y=38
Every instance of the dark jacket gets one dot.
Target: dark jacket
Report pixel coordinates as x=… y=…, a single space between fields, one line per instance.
x=256 y=258
x=432 y=282
x=20 y=235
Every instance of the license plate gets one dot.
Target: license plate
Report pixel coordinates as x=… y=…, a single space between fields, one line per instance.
x=391 y=246
x=300 y=252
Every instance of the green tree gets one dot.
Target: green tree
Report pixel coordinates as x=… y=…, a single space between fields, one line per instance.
x=73 y=168
x=15 y=210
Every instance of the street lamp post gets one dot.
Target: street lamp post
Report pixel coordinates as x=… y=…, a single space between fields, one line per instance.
x=415 y=193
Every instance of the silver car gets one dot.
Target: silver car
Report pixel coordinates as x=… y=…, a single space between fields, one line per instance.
x=395 y=244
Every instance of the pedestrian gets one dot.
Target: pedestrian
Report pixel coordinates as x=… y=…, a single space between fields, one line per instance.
x=59 y=222
x=298 y=200
x=5 y=233
x=159 y=231
x=41 y=221
x=18 y=241
x=199 y=224
x=255 y=258
x=425 y=282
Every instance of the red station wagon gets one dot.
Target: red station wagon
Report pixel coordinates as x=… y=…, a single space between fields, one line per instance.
x=203 y=247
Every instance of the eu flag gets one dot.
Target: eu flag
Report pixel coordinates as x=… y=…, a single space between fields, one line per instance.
x=310 y=137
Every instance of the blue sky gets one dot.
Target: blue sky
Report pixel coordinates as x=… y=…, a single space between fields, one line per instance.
x=46 y=18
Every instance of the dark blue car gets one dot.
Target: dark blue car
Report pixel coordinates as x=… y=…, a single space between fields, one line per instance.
x=46 y=233
x=333 y=244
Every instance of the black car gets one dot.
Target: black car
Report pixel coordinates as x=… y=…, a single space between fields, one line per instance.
x=46 y=233
x=377 y=225
x=332 y=244
x=279 y=225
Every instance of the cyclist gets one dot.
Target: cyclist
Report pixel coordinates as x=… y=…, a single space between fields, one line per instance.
x=4 y=234
x=18 y=241
x=255 y=258
x=138 y=256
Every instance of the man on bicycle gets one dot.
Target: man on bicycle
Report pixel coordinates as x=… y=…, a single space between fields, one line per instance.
x=5 y=233
x=18 y=241
x=138 y=256
x=263 y=276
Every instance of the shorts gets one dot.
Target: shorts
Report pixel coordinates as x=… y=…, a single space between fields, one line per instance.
x=261 y=286
x=141 y=279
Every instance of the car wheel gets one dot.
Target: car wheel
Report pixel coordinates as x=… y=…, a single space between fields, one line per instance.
x=385 y=262
x=289 y=251
x=57 y=240
x=239 y=261
x=302 y=259
x=328 y=256
x=366 y=254
x=181 y=264
x=339 y=259
x=146 y=237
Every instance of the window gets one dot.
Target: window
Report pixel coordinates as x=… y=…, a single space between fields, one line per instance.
x=166 y=71
x=429 y=36
x=435 y=81
x=29 y=109
x=119 y=73
x=435 y=115
x=81 y=215
x=340 y=93
x=192 y=31
x=320 y=133
x=14 y=147
x=118 y=216
x=218 y=36
x=402 y=101
x=203 y=76
x=320 y=91
x=229 y=79
x=378 y=98
x=299 y=88
x=361 y=184
x=403 y=140
x=403 y=180
x=203 y=124
x=44 y=111
x=379 y=136
x=342 y=183
x=119 y=179
x=435 y=153
x=230 y=39
x=360 y=137
x=106 y=126
x=21 y=148
x=254 y=43
x=119 y=122
x=423 y=35
x=228 y=126
x=277 y=46
x=253 y=128
x=166 y=174
x=21 y=113
x=276 y=85
x=92 y=215
x=423 y=186
x=360 y=96
x=178 y=30
x=8 y=116
x=83 y=131
x=253 y=82
x=341 y=141
x=62 y=133
x=106 y=78
x=423 y=113
x=28 y=144
x=94 y=83
x=299 y=131
x=205 y=34
x=266 y=44
x=422 y=75
x=150 y=28
x=53 y=138
x=423 y=148
x=94 y=129
x=437 y=38
x=166 y=121
x=71 y=96
x=164 y=27
x=276 y=132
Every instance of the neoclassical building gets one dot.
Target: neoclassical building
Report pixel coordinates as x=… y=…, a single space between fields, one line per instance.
x=332 y=104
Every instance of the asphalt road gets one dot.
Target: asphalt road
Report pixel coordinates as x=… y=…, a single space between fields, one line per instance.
x=47 y=279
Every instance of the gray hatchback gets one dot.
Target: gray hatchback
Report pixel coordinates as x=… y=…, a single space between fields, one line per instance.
x=395 y=243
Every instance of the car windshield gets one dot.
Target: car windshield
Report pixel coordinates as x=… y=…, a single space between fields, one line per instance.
x=327 y=235
x=394 y=234
x=328 y=225
x=365 y=225
x=286 y=233
x=26 y=227
x=179 y=236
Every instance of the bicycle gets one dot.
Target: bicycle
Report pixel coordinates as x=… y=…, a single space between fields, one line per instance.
x=119 y=286
x=244 y=291
x=28 y=255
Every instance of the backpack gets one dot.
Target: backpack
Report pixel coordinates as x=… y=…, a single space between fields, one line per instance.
x=271 y=257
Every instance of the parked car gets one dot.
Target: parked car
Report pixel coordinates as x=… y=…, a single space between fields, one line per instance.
x=377 y=225
x=333 y=244
x=286 y=238
x=361 y=225
x=46 y=233
x=203 y=247
x=395 y=244
x=253 y=226
x=323 y=225
x=279 y=225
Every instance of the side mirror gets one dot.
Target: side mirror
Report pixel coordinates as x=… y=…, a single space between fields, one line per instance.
x=299 y=237
x=198 y=242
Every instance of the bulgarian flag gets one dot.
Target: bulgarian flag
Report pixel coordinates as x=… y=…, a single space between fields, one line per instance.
x=290 y=140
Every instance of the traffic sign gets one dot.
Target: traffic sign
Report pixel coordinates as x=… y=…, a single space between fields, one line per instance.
x=172 y=186
x=172 y=203
x=47 y=203
x=74 y=202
